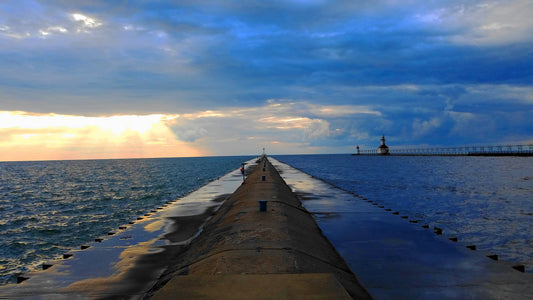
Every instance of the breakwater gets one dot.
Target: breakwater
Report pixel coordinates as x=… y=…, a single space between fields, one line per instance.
x=391 y=251
x=279 y=250
x=270 y=249
x=490 y=150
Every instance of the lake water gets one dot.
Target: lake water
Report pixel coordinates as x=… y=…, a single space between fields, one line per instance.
x=486 y=201
x=50 y=207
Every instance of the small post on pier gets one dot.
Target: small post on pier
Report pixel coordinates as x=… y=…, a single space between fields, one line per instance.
x=262 y=205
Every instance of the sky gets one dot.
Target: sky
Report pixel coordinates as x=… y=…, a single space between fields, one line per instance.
x=128 y=79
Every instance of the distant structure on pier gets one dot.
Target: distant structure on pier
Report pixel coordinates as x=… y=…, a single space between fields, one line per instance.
x=494 y=150
x=383 y=149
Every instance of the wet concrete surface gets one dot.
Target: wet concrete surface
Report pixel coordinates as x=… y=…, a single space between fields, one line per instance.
x=243 y=245
x=256 y=286
x=395 y=257
x=128 y=262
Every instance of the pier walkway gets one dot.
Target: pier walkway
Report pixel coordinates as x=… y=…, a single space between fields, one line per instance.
x=245 y=253
x=214 y=243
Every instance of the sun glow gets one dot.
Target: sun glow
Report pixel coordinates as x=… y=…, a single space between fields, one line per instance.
x=28 y=136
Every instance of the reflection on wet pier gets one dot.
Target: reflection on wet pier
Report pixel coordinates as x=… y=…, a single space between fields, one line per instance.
x=129 y=260
x=402 y=256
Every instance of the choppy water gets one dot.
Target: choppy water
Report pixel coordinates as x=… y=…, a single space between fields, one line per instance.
x=47 y=208
x=486 y=201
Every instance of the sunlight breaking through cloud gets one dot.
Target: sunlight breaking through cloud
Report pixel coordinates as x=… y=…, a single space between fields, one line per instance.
x=86 y=21
x=54 y=136
x=289 y=123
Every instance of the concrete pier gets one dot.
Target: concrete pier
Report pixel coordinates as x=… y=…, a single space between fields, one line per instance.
x=246 y=253
x=257 y=241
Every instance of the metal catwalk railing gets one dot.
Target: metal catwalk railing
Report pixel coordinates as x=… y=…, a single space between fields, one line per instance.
x=499 y=150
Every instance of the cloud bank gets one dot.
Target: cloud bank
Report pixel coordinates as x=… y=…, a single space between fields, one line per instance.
x=340 y=73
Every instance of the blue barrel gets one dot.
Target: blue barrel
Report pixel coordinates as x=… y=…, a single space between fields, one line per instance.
x=262 y=205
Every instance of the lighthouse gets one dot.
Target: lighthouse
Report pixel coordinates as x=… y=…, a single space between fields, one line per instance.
x=383 y=149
